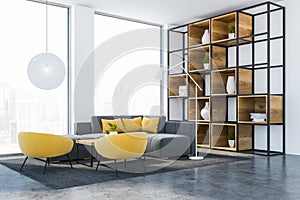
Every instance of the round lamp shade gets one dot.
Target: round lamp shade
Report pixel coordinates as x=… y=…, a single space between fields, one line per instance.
x=46 y=71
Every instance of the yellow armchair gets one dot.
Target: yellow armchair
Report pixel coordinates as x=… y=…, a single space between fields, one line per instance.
x=122 y=146
x=42 y=145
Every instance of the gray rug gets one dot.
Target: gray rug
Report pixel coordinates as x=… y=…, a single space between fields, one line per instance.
x=59 y=176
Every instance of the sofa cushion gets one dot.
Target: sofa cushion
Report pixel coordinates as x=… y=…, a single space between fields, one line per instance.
x=96 y=124
x=132 y=125
x=150 y=124
x=106 y=126
x=83 y=128
x=161 y=123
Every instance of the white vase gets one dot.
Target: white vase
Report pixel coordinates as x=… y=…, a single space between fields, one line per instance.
x=205 y=111
x=182 y=91
x=205 y=37
x=206 y=65
x=231 y=143
x=230 y=86
x=113 y=132
x=231 y=35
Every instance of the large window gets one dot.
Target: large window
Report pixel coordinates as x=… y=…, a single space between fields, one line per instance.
x=23 y=107
x=127 y=59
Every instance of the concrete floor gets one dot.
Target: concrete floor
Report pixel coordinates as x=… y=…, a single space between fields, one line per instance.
x=260 y=178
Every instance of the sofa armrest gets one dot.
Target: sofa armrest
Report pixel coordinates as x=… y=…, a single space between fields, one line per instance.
x=183 y=128
x=82 y=128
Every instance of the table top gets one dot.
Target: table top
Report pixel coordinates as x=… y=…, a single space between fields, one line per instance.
x=89 y=142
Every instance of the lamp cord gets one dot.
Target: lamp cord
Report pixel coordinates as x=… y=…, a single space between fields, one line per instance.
x=46 y=26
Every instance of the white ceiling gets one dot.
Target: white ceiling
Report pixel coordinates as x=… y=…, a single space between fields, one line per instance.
x=163 y=11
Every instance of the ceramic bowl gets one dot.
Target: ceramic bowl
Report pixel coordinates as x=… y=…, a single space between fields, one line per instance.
x=258 y=117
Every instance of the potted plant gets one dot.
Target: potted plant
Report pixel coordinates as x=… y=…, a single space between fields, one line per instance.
x=206 y=62
x=230 y=138
x=113 y=128
x=231 y=32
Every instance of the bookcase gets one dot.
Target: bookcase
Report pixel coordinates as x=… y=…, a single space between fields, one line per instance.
x=253 y=56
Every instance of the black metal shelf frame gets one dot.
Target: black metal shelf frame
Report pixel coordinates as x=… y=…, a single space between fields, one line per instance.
x=237 y=42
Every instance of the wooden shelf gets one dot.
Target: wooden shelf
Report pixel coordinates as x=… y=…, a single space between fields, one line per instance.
x=219 y=81
x=228 y=112
x=196 y=58
x=221 y=24
x=232 y=42
x=258 y=104
x=220 y=140
x=196 y=31
x=200 y=80
x=245 y=137
x=174 y=82
x=201 y=71
x=219 y=136
x=203 y=135
x=219 y=108
x=201 y=104
x=173 y=97
x=219 y=57
x=225 y=148
x=203 y=146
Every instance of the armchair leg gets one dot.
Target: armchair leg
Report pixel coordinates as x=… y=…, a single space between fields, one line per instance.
x=23 y=164
x=46 y=163
x=69 y=161
x=116 y=168
x=98 y=163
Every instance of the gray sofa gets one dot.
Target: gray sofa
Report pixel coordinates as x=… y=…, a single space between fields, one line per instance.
x=173 y=139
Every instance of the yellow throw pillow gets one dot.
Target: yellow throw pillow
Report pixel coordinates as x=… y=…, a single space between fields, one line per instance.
x=150 y=124
x=132 y=125
x=106 y=126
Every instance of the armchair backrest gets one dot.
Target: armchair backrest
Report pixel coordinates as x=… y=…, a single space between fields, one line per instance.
x=122 y=146
x=43 y=145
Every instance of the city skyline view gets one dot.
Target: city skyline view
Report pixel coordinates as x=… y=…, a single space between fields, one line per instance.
x=23 y=107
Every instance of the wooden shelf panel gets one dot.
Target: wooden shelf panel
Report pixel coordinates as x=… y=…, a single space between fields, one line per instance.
x=196 y=31
x=219 y=108
x=258 y=104
x=200 y=98
x=200 y=71
x=197 y=58
x=226 y=95
x=221 y=24
x=203 y=146
x=200 y=81
x=219 y=57
x=174 y=82
x=178 y=97
x=219 y=133
x=219 y=81
x=225 y=148
x=245 y=137
x=233 y=42
x=203 y=135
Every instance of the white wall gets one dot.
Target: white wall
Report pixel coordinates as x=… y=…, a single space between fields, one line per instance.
x=292 y=76
x=82 y=40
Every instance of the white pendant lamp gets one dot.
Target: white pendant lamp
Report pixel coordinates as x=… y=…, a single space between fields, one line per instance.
x=46 y=71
